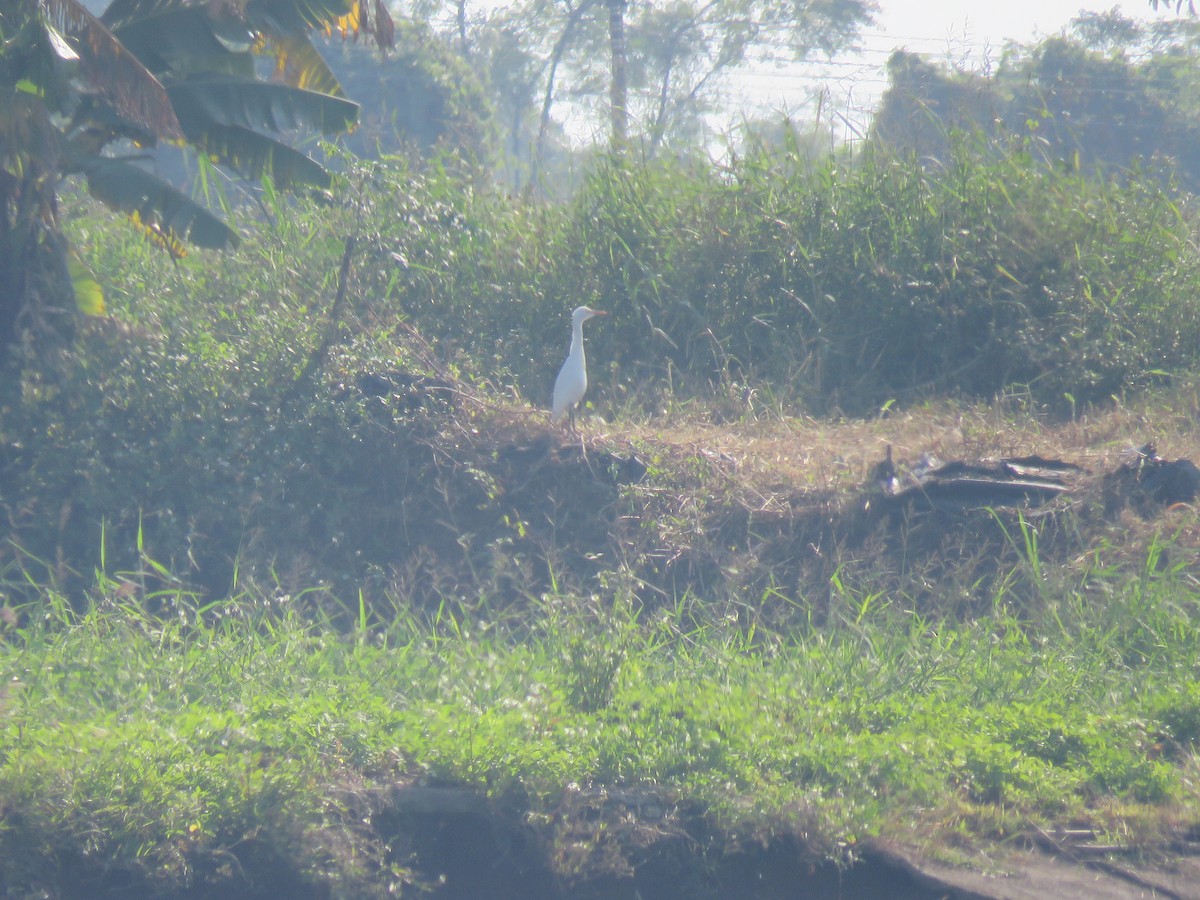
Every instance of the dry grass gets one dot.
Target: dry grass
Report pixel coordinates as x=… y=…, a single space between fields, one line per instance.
x=766 y=517
x=773 y=506
x=824 y=454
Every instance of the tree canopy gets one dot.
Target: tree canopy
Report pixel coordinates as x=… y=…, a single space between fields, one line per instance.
x=676 y=61
x=1115 y=93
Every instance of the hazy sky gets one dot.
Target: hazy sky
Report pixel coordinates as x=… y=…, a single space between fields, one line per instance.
x=981 y=21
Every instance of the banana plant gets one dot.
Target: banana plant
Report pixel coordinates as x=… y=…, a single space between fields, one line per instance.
x=86 y=95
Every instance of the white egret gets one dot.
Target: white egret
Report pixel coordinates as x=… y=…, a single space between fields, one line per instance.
x=571 y=384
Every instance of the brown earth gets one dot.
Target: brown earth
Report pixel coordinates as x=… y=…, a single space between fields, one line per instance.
x=463 y=847
x=600 y=844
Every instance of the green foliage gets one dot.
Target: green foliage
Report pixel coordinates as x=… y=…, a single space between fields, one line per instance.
x=839 y=285
x=87 y=87
x=856 y=283
x=160 y=746
x=1111 y=99
x=152 y=432
x=1178 y=713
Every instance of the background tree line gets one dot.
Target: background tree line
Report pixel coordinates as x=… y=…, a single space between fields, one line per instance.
x=1114 y=93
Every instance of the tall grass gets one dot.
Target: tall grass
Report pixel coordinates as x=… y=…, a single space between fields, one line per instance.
x=837 y=284
x=856 y=282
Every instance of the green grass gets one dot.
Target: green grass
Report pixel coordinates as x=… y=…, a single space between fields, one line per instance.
x=161 y=745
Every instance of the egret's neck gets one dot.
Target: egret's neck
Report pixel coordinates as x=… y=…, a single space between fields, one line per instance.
x=576 y=338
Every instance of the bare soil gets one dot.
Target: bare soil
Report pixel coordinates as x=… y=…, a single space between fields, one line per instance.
x=638 y=845
x=462 y=848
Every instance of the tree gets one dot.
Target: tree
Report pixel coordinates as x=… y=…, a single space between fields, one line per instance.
x=925 y=106
x=666 y=58
x=505 y=59
x=618 y=81
x=575 y=13
x=82 y=95
x=780 y=135
x=1179 y=4
x=1078 y=107
x=1105 y=30
x=423 y=97
x=649 y=70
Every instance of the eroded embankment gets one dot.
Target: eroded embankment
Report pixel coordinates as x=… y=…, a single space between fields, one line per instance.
x=447 y=842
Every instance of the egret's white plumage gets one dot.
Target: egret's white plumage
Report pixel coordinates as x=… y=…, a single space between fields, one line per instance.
x=571 y=384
